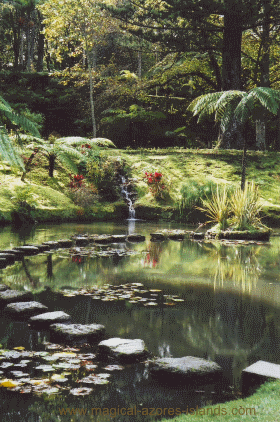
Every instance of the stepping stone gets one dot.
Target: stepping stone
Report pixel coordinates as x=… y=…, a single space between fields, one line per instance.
x=3 y=287
x=3 y=263
x=136 y=238
x=50 y=318
x=189 y=368
x=42 y=248
x=28 y=250
x=81 y=241
x=257 y=373
x=119 y=238
x=65 y=243
x=10 y=258
x=157 y=237
x=52 y=244
x=13 y=295
x=176 y=236
x=103 y=239
x=18 y=254
x=77 y=331
x=122 y=350
x=25 y=308
x=197 y=235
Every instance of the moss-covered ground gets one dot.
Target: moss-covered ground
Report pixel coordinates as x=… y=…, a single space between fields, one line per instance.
x=263 y=406
x=178 y=166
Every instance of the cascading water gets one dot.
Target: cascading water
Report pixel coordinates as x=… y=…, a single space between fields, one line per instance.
x=126 y=194
x=131 y=211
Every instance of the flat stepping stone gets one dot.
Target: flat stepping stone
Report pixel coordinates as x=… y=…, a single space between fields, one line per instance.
x=42 y=248
x=103 y=239
x=28 y=250
x=136 y=238
x=197 y=235
x=157 y=237
x=123 y=350
x=188 y=367
x=10 y=258
x=3 y=287
x=258 y=373
x=13 y=295
x=81 y=241
x=52 y=244
x=65 y=243
x=77 y=331
x=50 y=318
x=116 y=238
x=18 y=254
x=3 y=263
x=25 y=308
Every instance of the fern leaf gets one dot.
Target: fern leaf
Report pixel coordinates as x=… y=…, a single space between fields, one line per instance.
x=7 y=151
x=268 y=97
x=18 y=119
x=102 y=142
x=67 y=161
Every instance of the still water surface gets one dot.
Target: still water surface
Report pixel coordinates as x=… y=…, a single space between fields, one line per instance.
x=230 y=313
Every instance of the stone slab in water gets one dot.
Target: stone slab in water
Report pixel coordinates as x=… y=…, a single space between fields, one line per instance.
x=197 y=235
x=258 y=373
x=3 y=287
x=136 y=238
x=157 y=236
x=81 y=241
x=18 y=254
x=187 y=367
x=10 y=258
x=25 y=308
x=65 y=243
x=77 y=331
x=28 y=250
x=52 y=243
x=50 y=318
x=3 y=263
x=14 y=295
x=119 y=238
x=103 y=239
x=42 y=248
x=123 y=350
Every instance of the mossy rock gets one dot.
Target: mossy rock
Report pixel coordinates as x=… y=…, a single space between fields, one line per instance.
x=260 y=235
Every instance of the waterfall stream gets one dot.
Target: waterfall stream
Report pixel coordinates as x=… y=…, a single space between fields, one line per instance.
x=127 y=194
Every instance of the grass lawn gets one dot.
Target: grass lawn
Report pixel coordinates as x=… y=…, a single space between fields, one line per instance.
x=263 y=406
x=178 y=166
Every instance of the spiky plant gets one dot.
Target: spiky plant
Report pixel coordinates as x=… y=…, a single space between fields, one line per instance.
x=8 y=151
x=246 y=208
x=217 y=207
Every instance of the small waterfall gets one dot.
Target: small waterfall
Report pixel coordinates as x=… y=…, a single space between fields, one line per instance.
x=127 y=194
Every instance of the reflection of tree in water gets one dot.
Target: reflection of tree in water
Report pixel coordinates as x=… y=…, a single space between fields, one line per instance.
x=236 y=263
x=233 y=330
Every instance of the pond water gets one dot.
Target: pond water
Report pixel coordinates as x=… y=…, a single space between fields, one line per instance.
x=230 y=313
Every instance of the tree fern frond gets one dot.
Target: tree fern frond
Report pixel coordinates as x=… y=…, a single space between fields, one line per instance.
x=7 y=151
x=19 y=120
x=268 y=97
x=203 y=102
x=102 y=142
x=245 y=108
x=71 y=140
x=67 y=162
x=65 y=149
x=227 y=117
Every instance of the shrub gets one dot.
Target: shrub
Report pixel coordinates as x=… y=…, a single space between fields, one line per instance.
x=246 y=207
x=217 y=208
x=24 y=205
x=192 y=195
x=156 y=184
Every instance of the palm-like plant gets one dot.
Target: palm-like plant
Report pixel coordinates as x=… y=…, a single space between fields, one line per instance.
x=8 y=151
x=65 y=150
x=217 y=208
x=235 y=105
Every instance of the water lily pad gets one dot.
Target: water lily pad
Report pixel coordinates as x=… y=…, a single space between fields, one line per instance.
x=45 y=368
x=5 y=365
x=64 y=365
x=19 y=374
x=84 y=391
x=54 y=347
x=113 y=368
x=9 y=383
x=19 y=348
x=65 y=354
x=59 y=378
x=45 y=390
x=94 y=379
x=90 y=367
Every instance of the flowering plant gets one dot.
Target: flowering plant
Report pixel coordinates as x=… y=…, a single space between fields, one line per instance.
x=76 y=181
x=154 y=181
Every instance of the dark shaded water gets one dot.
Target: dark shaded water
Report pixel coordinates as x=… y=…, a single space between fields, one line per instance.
x=230 y=313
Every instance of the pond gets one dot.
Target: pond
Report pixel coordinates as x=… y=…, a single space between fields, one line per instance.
x=221 y=301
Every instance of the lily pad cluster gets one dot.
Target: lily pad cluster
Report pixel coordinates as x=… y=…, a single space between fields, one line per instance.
x=78 y=254
x=53 y=371
x=134 y=293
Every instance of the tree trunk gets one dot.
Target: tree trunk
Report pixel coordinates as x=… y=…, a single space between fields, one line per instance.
x=51 y=164
x=244 y=163
x=92 y=64
x=139 y=63
x=231 y=71
x=260 y=133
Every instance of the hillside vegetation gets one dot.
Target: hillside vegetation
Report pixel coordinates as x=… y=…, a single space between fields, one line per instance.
x=181 y=169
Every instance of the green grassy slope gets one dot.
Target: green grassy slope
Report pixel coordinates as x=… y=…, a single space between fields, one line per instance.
x=178 y=167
